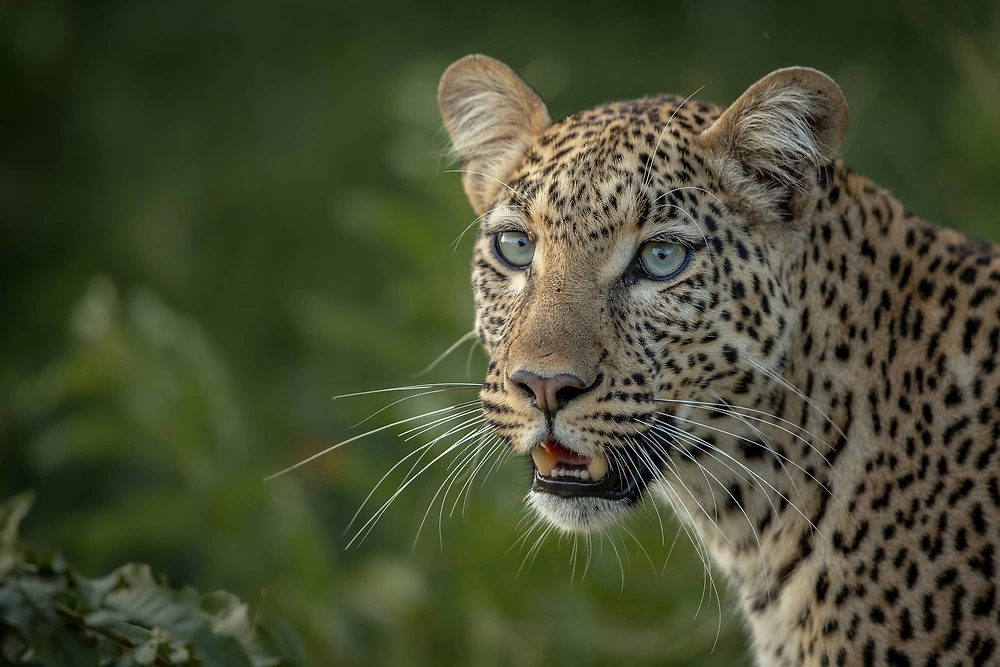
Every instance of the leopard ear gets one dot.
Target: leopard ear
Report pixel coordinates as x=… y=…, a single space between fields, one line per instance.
x=778 y=138
x=491 y=114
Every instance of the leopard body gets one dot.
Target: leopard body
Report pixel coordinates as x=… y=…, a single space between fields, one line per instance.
x=815 y=391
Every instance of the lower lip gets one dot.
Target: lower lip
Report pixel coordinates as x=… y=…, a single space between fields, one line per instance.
x=607 y=488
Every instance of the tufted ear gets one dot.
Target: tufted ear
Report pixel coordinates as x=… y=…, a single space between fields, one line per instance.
x=778 y=136
x=491 y=114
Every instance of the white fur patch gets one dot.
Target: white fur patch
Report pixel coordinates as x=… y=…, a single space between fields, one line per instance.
x=576 y=515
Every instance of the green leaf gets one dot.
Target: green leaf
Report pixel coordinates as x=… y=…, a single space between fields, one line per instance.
x=140 y=599
x=52 y=615
x=60 y=646
x=11 y=513
x=92 y=592
x=277 y=637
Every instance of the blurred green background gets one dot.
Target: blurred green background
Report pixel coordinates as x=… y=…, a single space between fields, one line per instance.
x=214 y=216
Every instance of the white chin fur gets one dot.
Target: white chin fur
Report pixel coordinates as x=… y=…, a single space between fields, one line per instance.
x=577 y=515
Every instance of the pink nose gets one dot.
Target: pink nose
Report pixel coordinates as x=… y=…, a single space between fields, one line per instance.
x=549 y=394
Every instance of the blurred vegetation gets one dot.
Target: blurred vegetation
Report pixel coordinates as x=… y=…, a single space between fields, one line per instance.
x=216 y=216
x=51 y=615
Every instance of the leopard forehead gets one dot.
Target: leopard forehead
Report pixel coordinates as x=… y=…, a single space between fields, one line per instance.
x=613 y=165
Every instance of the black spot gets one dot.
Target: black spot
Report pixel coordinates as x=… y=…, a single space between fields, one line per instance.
x=730 y=353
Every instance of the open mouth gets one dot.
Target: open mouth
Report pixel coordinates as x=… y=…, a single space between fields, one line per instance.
x=568 y=474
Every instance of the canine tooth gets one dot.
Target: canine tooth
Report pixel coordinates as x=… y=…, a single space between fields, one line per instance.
x=543 y=459
x=598 y=466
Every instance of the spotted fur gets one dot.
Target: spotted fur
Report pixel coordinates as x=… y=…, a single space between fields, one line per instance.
x=816 y=393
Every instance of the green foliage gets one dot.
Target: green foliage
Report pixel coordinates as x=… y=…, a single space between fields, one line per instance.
x=52 y=615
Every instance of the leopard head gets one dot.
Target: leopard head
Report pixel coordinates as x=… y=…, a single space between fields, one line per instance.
x=633 y=262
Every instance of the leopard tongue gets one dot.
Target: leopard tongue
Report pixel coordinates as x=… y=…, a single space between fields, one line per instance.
x=546 y=456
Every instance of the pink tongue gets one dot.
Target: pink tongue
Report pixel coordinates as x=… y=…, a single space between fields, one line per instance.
x=563 y=455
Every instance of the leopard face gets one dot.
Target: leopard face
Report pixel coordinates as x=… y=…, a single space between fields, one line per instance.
x=623 y=278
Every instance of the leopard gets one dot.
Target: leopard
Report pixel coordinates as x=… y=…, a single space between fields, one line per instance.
x=702 y=305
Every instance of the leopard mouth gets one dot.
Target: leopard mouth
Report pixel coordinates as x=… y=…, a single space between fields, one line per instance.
x=562 y=472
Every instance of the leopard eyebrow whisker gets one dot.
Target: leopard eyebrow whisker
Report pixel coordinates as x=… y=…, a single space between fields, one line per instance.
x=647 y=177
x=465 y=230
x=492 y=178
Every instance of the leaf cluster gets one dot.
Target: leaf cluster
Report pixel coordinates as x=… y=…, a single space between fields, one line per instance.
x=52 y=615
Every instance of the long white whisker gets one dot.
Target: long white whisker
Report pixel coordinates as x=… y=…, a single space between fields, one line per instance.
x=795 y=390
x=741 y=408
x=395 y=403
x=647 y=177
x=465 y=337
x=492 y=178
x=374 y=518
x=331 y=448
x=413 y=387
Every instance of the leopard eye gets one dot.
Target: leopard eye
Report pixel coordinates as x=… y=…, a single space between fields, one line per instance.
x=514 y=248
x=662 y=259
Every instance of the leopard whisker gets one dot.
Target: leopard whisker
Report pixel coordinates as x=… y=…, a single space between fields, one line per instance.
x=766 y=442
x=798 y=392
x=468 y=454
x=756 y=475
x=492 y=178
x=366 y=528
x=755 y=411
x=723 y=409
x=417 y=431
x=663 y=455
x=467 y=336
x=373 y=431
x=618 y=557
x=496 y=448
x=445 y=386
x=686 y=521
x=737 y=503
x=394 y=404
x=753 y=442
x=529 y=558
x=647 y=176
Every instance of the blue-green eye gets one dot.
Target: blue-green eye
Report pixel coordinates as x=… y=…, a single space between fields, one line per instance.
x=514 y=248
x=662 y=259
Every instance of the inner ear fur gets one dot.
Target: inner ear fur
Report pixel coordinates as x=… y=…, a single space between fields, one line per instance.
x=491 y=116
x=778 y=139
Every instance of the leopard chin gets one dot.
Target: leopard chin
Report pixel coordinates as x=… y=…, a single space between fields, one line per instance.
x=581 y=514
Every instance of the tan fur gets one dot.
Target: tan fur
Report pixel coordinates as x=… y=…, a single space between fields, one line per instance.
x=490 y=114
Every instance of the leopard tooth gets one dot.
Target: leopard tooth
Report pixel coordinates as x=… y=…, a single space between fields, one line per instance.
x=598 y=466
x=543 y=459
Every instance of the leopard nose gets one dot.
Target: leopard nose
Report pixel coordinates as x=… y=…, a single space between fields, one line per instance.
x=550 y=394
